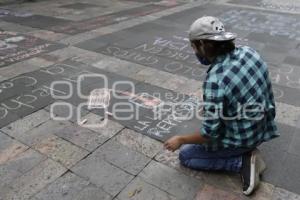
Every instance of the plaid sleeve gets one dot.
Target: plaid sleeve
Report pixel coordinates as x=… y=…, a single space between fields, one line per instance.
x=213 y=95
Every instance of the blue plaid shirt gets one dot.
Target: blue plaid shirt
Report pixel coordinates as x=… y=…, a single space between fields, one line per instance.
x=239 y=106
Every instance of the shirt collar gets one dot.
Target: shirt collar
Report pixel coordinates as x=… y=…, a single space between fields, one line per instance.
x=217 y=60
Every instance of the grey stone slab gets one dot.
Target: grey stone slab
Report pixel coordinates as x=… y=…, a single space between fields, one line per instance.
x=282 y=194
x=171 y=181
x=138 y=142
x=37 y=21
x=121 y=156
x=82 y=137
x=7 y=176
x=67 y=186
x=19 y=106
x=92 y=192
x=10 y=148
x=286 y=94
x=7 y=118
x=171 y=160
x=287 y=133
x=78 y=6
x=109 y=128
x=290 y=175
x=42 y=132
x=61 y=151
x=20 y=126
x=33 y=181
x=20 y=47
x=274 y=163
x=24 y=161
x=108 y=19
x=294 y=147
x=291 y=60
x=269 y=56
x=139 y=189
x=272 y=5
x=66 y=111
x=102 y=174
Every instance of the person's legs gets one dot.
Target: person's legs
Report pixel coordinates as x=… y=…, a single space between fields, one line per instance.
x=196 y=157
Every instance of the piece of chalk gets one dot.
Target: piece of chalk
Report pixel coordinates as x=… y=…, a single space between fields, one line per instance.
x=109 y=113
x=83 y=121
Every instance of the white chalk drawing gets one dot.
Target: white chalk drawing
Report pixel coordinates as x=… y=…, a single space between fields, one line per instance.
x=286 y=75
x=127 y=54
x=99 y=98
x=278 y=93
x=59 y=95
x=263 y=22
x=287 y=5
x=5 y=12
x=3 y=112
x=59 y=105
x=145 y=100
x=10 y=43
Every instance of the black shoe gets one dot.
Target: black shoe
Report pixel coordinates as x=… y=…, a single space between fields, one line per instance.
x=250 y=172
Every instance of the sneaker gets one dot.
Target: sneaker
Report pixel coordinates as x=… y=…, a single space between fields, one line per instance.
x=250 y=172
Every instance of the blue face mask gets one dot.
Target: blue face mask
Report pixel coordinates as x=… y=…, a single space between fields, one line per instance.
x=202 y=60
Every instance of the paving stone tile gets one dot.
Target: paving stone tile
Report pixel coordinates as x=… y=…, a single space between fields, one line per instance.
x=19 y=127
x=9 y=148
x=33 y=181
x=171 y=181
x=83 y=137
x=139 y=142
x=290 y=174
x=282 y=194
x=109 y=130
x=212 y=193
x=294 y=147
x=9 y=118
x=67 y=186
x=145 y=74
x=287 y=133
x=121 y=156
x=37 y=21
x=63 y=111
x=24 y=161
x=139 y=189
x=47 y=35
x=6 y=177
x=175 y=83
x=92 y=192
x=287 y=114
x=61 y=151
x=44 y=131
x=78 y=6
x=264 y=192
x=274 y=157
x=292 y=60
x=102 y=174
x=230 y=181
x=170 y=159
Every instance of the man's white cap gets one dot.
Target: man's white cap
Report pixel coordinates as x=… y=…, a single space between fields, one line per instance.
x=209 y=28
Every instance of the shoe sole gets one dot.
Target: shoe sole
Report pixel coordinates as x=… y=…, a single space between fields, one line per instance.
x=254 y=174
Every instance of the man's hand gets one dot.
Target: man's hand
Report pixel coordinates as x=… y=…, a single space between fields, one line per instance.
x=173 y=143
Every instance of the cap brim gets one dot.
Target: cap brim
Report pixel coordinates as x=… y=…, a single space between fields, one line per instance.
x=224 y=36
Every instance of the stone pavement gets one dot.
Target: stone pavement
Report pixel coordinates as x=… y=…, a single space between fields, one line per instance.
x=51 y=145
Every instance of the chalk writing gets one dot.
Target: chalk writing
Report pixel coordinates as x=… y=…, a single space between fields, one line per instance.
x=18 y=47
x=262 y=22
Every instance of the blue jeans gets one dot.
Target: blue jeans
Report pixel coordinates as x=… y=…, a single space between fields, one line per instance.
x=195 y=156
